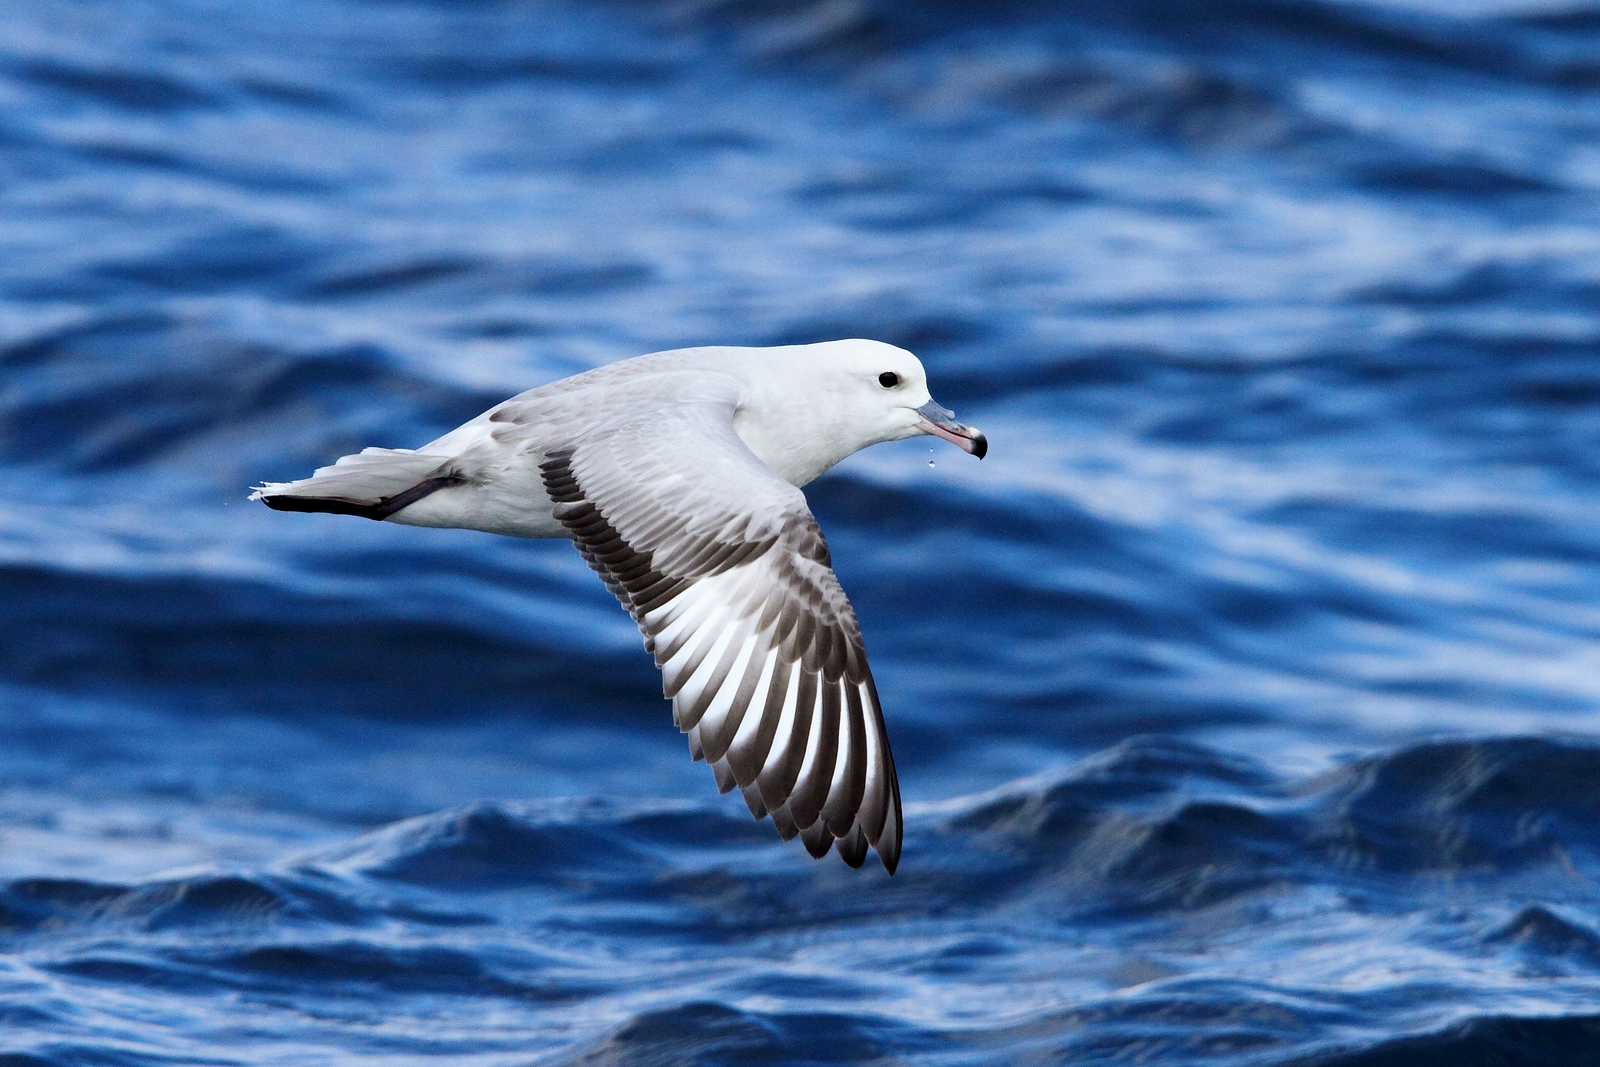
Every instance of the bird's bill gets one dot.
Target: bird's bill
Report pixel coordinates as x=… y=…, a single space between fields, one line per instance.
x=940 y=422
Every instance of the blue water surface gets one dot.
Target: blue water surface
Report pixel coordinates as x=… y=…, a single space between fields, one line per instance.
x=1246 y=698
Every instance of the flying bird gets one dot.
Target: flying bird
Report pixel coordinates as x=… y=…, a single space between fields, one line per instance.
x=677 y=475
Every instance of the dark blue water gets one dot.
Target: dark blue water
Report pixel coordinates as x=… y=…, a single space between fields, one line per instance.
x=1246 y=699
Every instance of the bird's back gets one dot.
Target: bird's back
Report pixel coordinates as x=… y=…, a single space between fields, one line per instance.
x=484 y=474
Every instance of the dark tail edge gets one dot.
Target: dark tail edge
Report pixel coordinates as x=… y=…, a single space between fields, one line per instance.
x=378 y=511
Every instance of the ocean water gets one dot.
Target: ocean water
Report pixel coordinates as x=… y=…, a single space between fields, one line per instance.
x=1246 y=699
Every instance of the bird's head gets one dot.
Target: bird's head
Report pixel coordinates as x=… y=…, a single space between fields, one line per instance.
x=813 y=405
x=889 y=384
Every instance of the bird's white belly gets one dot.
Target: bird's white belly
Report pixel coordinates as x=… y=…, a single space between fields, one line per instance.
x=503 y=499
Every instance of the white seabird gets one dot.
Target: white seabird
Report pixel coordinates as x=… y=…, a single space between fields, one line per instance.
x=678 y=475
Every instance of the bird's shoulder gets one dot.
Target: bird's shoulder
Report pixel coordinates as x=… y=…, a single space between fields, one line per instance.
x=596 y=401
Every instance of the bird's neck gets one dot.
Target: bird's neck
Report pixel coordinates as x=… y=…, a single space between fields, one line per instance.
x=797 y=441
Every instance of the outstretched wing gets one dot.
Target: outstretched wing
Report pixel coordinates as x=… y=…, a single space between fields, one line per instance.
x=726 y=572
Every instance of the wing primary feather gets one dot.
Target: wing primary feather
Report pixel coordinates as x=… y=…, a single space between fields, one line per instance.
x=889 y=839
x=726 y=729
x=873 y=810
x=853 y=847
x=688 y=625
x=752 y=800
x=783 y=822
x=811 y=790
x=721 y=601
x=888 y=845
x=688 y=652
x=780 y=786
x=817 y=840
x=748 y=753
x=835 y=791
x=844 y=801
x=702 y=692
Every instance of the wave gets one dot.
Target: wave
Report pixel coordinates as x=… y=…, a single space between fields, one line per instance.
x=1486 y=1041
x=120 y=391
x=708 y=1032
x=496 y=844
x=1153 y=826
x=233 y=901
x=134 y=90
x=286 y=654
x=526 y=905
x=1158 y=824
x=1509 y=44
x=1159 y=820
x=1548 y=941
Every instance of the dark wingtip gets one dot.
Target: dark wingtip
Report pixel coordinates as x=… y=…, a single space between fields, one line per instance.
x=980 y=445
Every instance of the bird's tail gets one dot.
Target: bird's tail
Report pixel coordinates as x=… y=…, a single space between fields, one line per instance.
x=375 y=483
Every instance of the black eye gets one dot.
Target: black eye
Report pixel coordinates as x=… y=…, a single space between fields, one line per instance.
x=888 y=379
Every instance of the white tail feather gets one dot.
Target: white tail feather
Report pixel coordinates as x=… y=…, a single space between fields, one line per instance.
x=371 y=475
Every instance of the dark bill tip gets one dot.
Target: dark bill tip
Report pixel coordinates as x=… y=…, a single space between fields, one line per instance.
x=940 y=422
